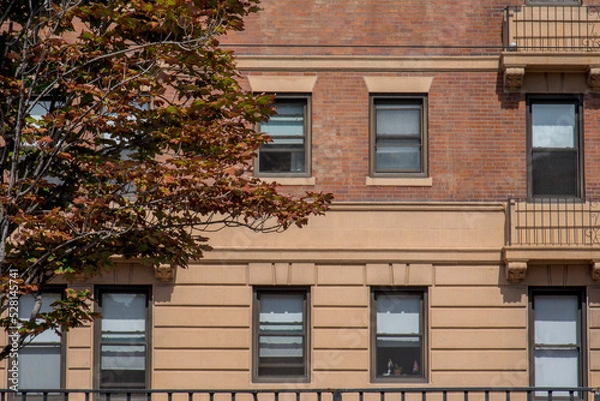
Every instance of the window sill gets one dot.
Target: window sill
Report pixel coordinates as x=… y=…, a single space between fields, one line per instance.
x=400 y=182
x=291 y=180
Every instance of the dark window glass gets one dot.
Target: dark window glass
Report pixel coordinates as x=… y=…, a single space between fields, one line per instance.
x=555 y=155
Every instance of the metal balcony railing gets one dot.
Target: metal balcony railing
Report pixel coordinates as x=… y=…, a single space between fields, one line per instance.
x=552 y=28
x=288 y=394
x=554 y=222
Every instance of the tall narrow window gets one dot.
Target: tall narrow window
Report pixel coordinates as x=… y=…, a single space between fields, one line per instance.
x=123 y=338
x=398 y=140
x=281 y=336
x=289 y=152
x=557 y=339
x=40 y=361
x=398 y=335
x=555 y=146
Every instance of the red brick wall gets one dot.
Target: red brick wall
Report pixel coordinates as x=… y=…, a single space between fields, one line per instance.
x=408 y=26
x=477 y=133
x=477 y=140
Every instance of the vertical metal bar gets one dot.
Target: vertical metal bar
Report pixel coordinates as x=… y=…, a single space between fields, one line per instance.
x=275 y=396
x=232 y=396
x=87 y=396
x=107 y=396
x=190 y=396
x=318 y=396
x=466 y=395
x=211 y=396
x=128 y=396
x=423 y=395
x=507 y=398
x=297 y=396
x=487 y=395
x=45 y=396
x=444 y=395
x=381 y=396
x=361 y=396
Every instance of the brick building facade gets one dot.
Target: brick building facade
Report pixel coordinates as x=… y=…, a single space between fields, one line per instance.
x=460 y=141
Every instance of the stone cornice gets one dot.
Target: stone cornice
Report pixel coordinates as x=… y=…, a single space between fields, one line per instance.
x=301 y=63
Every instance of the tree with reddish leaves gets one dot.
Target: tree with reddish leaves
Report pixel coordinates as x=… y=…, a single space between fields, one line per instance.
x=124 y=132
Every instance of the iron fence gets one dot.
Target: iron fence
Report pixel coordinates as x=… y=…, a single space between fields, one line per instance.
x=365 y=394
x=554 y=28
x=550 y=221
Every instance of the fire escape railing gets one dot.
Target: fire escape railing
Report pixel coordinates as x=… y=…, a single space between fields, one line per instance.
x=289 y=394
x=552 y=28
x=554 y=222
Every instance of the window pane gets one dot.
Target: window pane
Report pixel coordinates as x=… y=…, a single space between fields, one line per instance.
x=398 y=314
x=403 y=120
x=554 y=173
x=40 y=367
x=398 y=158
x=281 y=346
x=26 y=304
x=553 y=126
x=556 y=368
x=555 y=319
x=123 y=357
x=281 y=312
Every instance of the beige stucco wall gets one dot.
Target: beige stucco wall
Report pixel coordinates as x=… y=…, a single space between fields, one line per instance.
x=477 y=321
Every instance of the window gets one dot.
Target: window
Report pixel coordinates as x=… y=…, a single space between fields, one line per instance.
x=398 y=340
x=123 y=337
x=40 y=361
x=555 y=155
x=556 y=334
x=281 y=335
x=398 y=140
x=289 y=152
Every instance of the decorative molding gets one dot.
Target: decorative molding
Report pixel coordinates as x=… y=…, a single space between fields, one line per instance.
x=282 y=84
x=165 y=273
x=399 y=182
x=366 y=63
x=595 y=270
x=398 y=84
x=516 y=271
x=593 y=78
x=513 y=78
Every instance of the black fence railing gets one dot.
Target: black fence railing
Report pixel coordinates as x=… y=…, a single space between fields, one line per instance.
x=550 y=221
x=552 y=28
x=366 y=394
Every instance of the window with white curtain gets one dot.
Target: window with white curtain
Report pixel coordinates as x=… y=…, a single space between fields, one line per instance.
x=123 y=338
x=281 y=334
x=398 y=334
x=556 y=332
x=40 y=361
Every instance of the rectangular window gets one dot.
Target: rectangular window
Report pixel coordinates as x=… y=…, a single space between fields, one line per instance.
x=555 y=156
x=289 y=152
x=281 y=335
x=556 y=335
x=40 y=361
x=398 y=339
x=123 y=337
x=398 y=140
